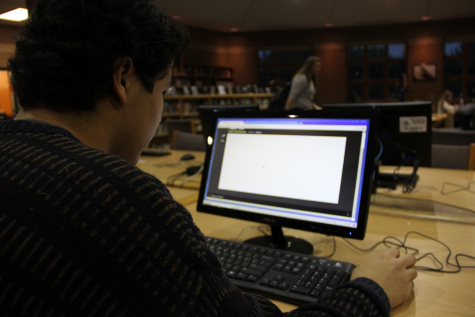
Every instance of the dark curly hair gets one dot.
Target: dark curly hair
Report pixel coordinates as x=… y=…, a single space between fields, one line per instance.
x=67 y=52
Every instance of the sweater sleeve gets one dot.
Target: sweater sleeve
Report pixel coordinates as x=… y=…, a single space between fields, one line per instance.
x=299 y=84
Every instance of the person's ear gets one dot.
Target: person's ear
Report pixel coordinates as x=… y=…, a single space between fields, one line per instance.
x=121 y=78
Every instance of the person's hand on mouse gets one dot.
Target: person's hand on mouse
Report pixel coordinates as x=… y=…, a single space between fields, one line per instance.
x=393 y=271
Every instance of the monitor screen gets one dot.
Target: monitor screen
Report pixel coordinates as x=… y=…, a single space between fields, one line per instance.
x=405 y=127
x=308 y=170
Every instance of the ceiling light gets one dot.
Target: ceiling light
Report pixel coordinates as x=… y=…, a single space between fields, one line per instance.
x=19 y=14
x=425 y=18
x=329 y=25
x=234 y=29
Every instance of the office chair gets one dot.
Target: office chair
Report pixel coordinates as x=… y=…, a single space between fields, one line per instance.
x=187 y=141
x=453 y=156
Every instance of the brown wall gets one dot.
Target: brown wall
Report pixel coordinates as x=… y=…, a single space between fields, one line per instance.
x=239 y=50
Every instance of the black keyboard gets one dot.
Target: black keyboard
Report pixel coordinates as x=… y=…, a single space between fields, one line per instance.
x=283 y=275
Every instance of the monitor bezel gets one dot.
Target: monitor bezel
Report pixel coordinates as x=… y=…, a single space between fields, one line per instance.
x=355 y=233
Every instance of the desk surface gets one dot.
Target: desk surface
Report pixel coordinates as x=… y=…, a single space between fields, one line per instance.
x=435 y=294
x=164 y=167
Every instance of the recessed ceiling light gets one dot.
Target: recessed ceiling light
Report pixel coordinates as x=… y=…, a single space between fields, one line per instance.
x=234 y=29
x=19 y=14
x=329 y=25
x=425 y=18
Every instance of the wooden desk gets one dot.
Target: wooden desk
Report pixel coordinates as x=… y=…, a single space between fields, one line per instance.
x=435 y=294
x=437 y=195
x=163 y=167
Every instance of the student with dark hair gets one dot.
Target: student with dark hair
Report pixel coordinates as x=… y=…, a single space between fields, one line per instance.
x=83 y=232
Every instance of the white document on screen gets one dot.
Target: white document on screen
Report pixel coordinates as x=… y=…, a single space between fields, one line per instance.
x=289 y=166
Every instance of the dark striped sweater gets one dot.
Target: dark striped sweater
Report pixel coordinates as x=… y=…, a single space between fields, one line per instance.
x=84 y=233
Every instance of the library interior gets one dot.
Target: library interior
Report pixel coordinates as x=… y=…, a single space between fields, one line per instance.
x=292 y=195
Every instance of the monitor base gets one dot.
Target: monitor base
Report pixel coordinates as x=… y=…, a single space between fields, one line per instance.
x=279 y=241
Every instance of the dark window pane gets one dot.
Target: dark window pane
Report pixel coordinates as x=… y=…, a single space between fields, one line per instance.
x=470 y=90
x=394 y=92
x=376 y=91
x=355 y=72
x=355 y=92
x=303 y=55
x=453 y=49
x=453 y=68
x=266 y=74
x=454 y=86
x=376 y=71
x=266 y=57
x=471 y=67
x=355 y=53
x=395 y=70
x=471 y=48
x=285 y=74
x=285 y=57
x=396 y=51
x=375 y=52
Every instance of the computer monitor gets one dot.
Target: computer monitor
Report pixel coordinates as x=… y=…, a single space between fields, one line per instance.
x=308 y=170
x=405 y=128
x=206 y=112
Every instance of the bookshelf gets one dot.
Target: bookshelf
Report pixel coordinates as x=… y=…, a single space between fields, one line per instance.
x=202 y=77
x=186 y=106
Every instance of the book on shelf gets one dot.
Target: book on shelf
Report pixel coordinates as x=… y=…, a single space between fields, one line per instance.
x=221 y=90
x=194 y=90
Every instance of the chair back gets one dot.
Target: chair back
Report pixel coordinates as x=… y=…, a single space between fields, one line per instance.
x=453 y=156
x=453 y=137
x=187 y=141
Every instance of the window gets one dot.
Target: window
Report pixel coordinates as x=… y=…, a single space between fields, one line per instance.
x=374 y=72
x=459 y=69
x=277 y=67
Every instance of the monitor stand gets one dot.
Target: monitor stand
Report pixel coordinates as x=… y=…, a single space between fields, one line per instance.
x=278 y=241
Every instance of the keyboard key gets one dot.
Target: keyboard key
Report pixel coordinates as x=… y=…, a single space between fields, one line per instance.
x=274 y=284
x=265 y=281
x=314 y=293
x=300 y=290
x=267 y=259
x=241 y=276
x=327 y=291
x=252 y=278
x=250 y=271
x=335 y=281
x=287 y=269
x=257 y=267
x=283 y=286
x=278 y=267
x=231 y=274
x=279 y=278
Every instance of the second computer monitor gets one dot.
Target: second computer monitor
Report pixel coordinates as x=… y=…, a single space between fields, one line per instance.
x=206 y=112
x=405 y=129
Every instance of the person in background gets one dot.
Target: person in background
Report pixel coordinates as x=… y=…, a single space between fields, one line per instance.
x=444 y=104
x=304 y=85
x=465 y=116
x=86 y=233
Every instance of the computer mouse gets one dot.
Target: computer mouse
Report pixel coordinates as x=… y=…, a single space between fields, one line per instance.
x=187 y=157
